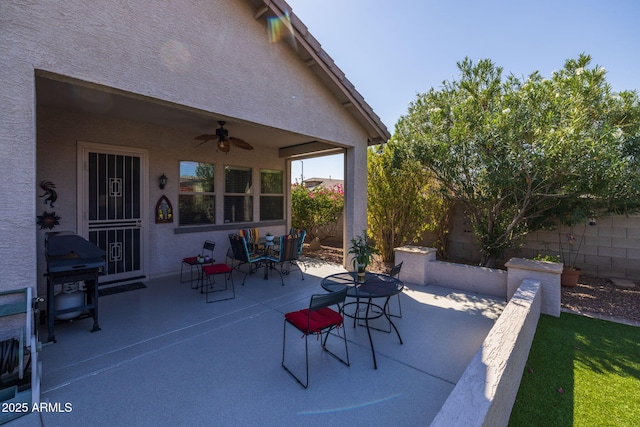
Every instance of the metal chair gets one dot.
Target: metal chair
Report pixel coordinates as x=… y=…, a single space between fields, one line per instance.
x=240 y=254
x=395 y=272
x=252 y=236
x=208 y=280
x=302 y=233
x=287 y=257
x=316 y=320
x=192 y=262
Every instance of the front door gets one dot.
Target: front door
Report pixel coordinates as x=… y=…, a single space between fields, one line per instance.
x=112 y=187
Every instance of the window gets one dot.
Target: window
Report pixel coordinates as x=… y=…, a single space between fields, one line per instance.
x=238 y=194
x=271 y=195
x=196 y=201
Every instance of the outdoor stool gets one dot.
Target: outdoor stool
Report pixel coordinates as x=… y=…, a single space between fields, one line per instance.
x=208 y=280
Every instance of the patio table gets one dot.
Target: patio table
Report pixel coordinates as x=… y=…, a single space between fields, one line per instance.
x=268 y=247
x=374 y=286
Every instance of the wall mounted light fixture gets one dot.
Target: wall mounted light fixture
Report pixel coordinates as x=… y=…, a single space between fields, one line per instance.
x=162 y=181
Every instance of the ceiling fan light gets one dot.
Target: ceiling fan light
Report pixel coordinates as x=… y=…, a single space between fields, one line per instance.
x=223 y=146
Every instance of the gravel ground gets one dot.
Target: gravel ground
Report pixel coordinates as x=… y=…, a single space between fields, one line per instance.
x=600 y=296
x=592 y=295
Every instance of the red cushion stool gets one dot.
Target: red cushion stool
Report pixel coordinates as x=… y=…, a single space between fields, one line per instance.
x=208 y=280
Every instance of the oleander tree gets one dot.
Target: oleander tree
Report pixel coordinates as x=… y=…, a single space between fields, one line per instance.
x=521 y=154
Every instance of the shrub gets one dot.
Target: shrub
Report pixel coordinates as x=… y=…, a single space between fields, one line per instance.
x=316 y=210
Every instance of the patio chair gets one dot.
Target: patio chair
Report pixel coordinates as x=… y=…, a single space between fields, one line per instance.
x=240 y=254
x=251 y=235
x=395 y=272
x=287 y=257
x=317 y=319
x=303 y=234
x=193 y=264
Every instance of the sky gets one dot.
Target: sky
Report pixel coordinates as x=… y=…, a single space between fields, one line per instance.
x=392 y=50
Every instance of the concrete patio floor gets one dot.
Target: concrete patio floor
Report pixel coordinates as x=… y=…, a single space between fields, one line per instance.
x=164 y=357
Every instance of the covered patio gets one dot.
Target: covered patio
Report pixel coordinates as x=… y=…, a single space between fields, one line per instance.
x=165 y=357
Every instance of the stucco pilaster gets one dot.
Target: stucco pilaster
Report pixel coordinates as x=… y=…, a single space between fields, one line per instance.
x=17 y=163
x=355 y=200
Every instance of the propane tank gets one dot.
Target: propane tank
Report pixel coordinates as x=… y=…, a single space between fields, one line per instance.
x=70 y=297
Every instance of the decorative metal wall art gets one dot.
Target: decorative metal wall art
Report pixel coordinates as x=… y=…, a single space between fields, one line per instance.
x=50 y=194
x=164 y=211
x=48 y=220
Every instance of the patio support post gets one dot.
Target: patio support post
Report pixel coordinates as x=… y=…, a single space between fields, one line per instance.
x=19 y=190
x=355 y=196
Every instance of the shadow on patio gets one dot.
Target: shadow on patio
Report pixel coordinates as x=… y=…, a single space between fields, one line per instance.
x=165 y=357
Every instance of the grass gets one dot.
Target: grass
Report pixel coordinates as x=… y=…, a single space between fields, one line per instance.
x=580 y=372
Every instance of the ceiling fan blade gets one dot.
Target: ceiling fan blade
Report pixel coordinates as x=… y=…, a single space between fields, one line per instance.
x=203 y=142
x=204 y=139
x=240 y=143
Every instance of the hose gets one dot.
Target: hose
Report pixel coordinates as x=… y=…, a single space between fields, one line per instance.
x=9 y=355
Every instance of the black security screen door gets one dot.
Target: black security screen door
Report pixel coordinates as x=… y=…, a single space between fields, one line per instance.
x=114 y=212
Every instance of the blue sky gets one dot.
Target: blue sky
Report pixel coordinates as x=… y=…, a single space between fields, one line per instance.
x=393 y=50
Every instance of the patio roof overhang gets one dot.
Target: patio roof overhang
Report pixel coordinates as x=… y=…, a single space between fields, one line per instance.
x=58 y=91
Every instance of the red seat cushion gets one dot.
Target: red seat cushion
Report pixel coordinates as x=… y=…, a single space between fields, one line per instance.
x=320 y=319
x=216 y=269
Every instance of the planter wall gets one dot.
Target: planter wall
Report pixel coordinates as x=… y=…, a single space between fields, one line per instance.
x=420 y=267
x=485 y=393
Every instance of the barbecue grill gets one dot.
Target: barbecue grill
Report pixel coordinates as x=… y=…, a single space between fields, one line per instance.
x=70 y=258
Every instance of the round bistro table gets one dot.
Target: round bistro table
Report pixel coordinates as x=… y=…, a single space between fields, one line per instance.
x=375 y=286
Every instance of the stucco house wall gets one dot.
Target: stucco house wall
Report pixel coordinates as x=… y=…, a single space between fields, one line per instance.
x=201 y=56
x=58 y=134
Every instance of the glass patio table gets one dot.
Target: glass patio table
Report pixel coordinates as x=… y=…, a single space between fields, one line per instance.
x=375 y=286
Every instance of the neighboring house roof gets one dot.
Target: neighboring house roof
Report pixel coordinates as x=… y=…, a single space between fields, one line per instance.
x=322 y=182
x=321 y=63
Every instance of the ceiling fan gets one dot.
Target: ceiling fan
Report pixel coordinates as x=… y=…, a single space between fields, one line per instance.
x=224 y=140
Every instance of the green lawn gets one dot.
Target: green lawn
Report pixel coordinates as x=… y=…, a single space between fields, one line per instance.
x=580 y=372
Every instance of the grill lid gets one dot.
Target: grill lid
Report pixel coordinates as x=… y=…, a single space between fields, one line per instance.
x=67 y=251
x=72 y=246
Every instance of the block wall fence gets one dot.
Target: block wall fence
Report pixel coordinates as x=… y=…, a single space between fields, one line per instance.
x=609 y=249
